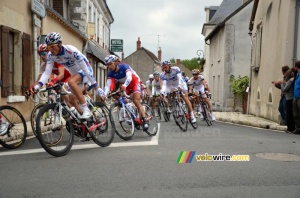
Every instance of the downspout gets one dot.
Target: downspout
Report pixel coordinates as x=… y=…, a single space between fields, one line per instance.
x=296 y=32
x=35 y=62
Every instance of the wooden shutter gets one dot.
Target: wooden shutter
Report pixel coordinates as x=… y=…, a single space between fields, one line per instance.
x=26 y=62
x=58 y=6
x=5 y=61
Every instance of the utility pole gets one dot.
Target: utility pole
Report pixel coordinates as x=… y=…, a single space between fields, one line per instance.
x=158 y=41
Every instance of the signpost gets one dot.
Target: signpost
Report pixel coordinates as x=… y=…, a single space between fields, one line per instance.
x=38 y=8
x=116 y=45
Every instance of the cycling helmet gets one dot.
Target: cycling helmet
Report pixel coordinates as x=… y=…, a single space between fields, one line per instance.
x=42 y=48
x=151 y=76
x=186 y=79
x=195 y=71
x=183 y=73
x=53 y=38
x=166 y=62
x=156 y=73
x=110 y=58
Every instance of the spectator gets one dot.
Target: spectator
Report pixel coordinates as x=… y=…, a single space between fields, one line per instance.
x=282 y=102
x=288 y=91
x=296 y=101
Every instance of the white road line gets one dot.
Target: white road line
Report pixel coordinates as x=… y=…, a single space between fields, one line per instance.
x=152 y=142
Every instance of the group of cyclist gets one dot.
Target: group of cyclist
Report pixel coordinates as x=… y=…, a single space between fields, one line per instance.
x=71 y=67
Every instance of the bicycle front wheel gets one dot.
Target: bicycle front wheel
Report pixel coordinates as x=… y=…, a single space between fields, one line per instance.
x=33 y=117
x=52 y=132
x=104 y=134
x=153 y=125
x=206 y=114
x=180 y=117
x=13 y=129
x=124 y=122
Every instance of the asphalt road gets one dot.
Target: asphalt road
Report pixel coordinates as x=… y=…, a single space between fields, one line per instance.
x=147 y=167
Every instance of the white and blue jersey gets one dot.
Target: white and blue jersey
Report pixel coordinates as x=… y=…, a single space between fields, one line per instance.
x=172 y=80
x=73 y=60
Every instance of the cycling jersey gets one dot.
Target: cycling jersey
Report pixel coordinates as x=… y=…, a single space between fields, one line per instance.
x=55 y=68
x=156 y=87
x=126 y=75
x=197 y=84
x=149 y=86
x=72 y=59
x=172 y=80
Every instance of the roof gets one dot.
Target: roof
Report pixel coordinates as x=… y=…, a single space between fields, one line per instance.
x=94 y=48
x=225 y=9
x=221 y=24
x=152 y=56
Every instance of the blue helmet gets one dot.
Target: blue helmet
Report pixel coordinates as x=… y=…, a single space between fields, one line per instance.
x=155 y=73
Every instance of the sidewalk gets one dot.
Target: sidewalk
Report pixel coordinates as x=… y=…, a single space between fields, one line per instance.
x=249 y=120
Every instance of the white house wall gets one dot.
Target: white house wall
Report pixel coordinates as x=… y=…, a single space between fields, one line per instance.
x=277 y=21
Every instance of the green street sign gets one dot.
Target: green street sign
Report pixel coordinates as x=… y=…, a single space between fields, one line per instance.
x=116 y=48
x=116 y=42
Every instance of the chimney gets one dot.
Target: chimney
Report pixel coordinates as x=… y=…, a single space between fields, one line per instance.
x=138 y=44
x=159 y=54
x=177 y=62
x=123 y=55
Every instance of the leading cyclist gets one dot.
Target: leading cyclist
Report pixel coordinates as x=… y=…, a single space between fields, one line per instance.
x=77 y=64
x=172 y=80
x=125 y=74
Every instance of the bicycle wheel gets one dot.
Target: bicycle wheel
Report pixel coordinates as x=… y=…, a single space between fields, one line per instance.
x=33 y=115
x=158 y=109
x=180 y=117
x=206 y=114
x=124 y=123
x=164 y=111
x=153 y=125
x=104 y=134
x=52 y=132
x=16 y=131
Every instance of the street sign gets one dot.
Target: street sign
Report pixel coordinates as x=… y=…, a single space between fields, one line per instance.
x=37 y=22
x=116 y=45
x=117 y=48
x=116 y=42
x=38 y=8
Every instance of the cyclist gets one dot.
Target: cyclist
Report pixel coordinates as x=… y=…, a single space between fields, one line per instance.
x=172 y=80
x=125 y=74
x=77 y=64
x=149 y=85
x=61 y=73
x=155 y=89
x=199 y=86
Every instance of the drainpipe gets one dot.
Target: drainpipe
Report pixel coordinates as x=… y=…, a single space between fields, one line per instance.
x=296 y=32
x=35 y=62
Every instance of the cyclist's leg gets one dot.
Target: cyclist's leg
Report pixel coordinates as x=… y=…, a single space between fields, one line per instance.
x=77 y=91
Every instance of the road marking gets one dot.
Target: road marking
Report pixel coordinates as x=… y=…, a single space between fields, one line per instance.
x=152 y=142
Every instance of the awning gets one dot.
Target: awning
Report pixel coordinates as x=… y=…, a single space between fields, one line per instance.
x=95 y=49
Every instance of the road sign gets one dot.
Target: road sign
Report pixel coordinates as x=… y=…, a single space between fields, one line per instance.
x=38 y=8
x=117 y=48
x=116 y=45
x=37 y=22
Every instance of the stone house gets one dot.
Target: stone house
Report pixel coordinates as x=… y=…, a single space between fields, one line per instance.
x=229 y=51
x=274 y=29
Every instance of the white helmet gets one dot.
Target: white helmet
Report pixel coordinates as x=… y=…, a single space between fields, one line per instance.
x=53 y=38
x=151 y=76
x=110 y=58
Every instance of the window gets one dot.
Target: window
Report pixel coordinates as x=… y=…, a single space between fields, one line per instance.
x=15 y=71
x=90 y=14
x=258 y=45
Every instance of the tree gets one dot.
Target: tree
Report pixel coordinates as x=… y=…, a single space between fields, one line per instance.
x=192 y=63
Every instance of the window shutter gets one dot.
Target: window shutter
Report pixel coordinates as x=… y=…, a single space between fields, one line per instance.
x=5 y=61
x=58 y=6
x=26 y=62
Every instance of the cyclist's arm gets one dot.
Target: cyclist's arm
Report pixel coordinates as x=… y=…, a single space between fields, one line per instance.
x=164 y=86
x=61 y=72
x=128 y=78
x=180 y=80
x=152 y=88
x=107 y=86
x=190 y=84
x=46 y=74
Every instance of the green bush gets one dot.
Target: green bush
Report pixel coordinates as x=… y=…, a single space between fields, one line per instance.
x=238 y=85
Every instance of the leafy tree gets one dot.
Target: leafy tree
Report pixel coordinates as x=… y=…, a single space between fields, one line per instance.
x=192 y=63
x=238 y=85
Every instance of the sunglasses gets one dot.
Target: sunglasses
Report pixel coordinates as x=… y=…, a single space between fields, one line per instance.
x=49 y=47
x=195 y=74
x=43 y=53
